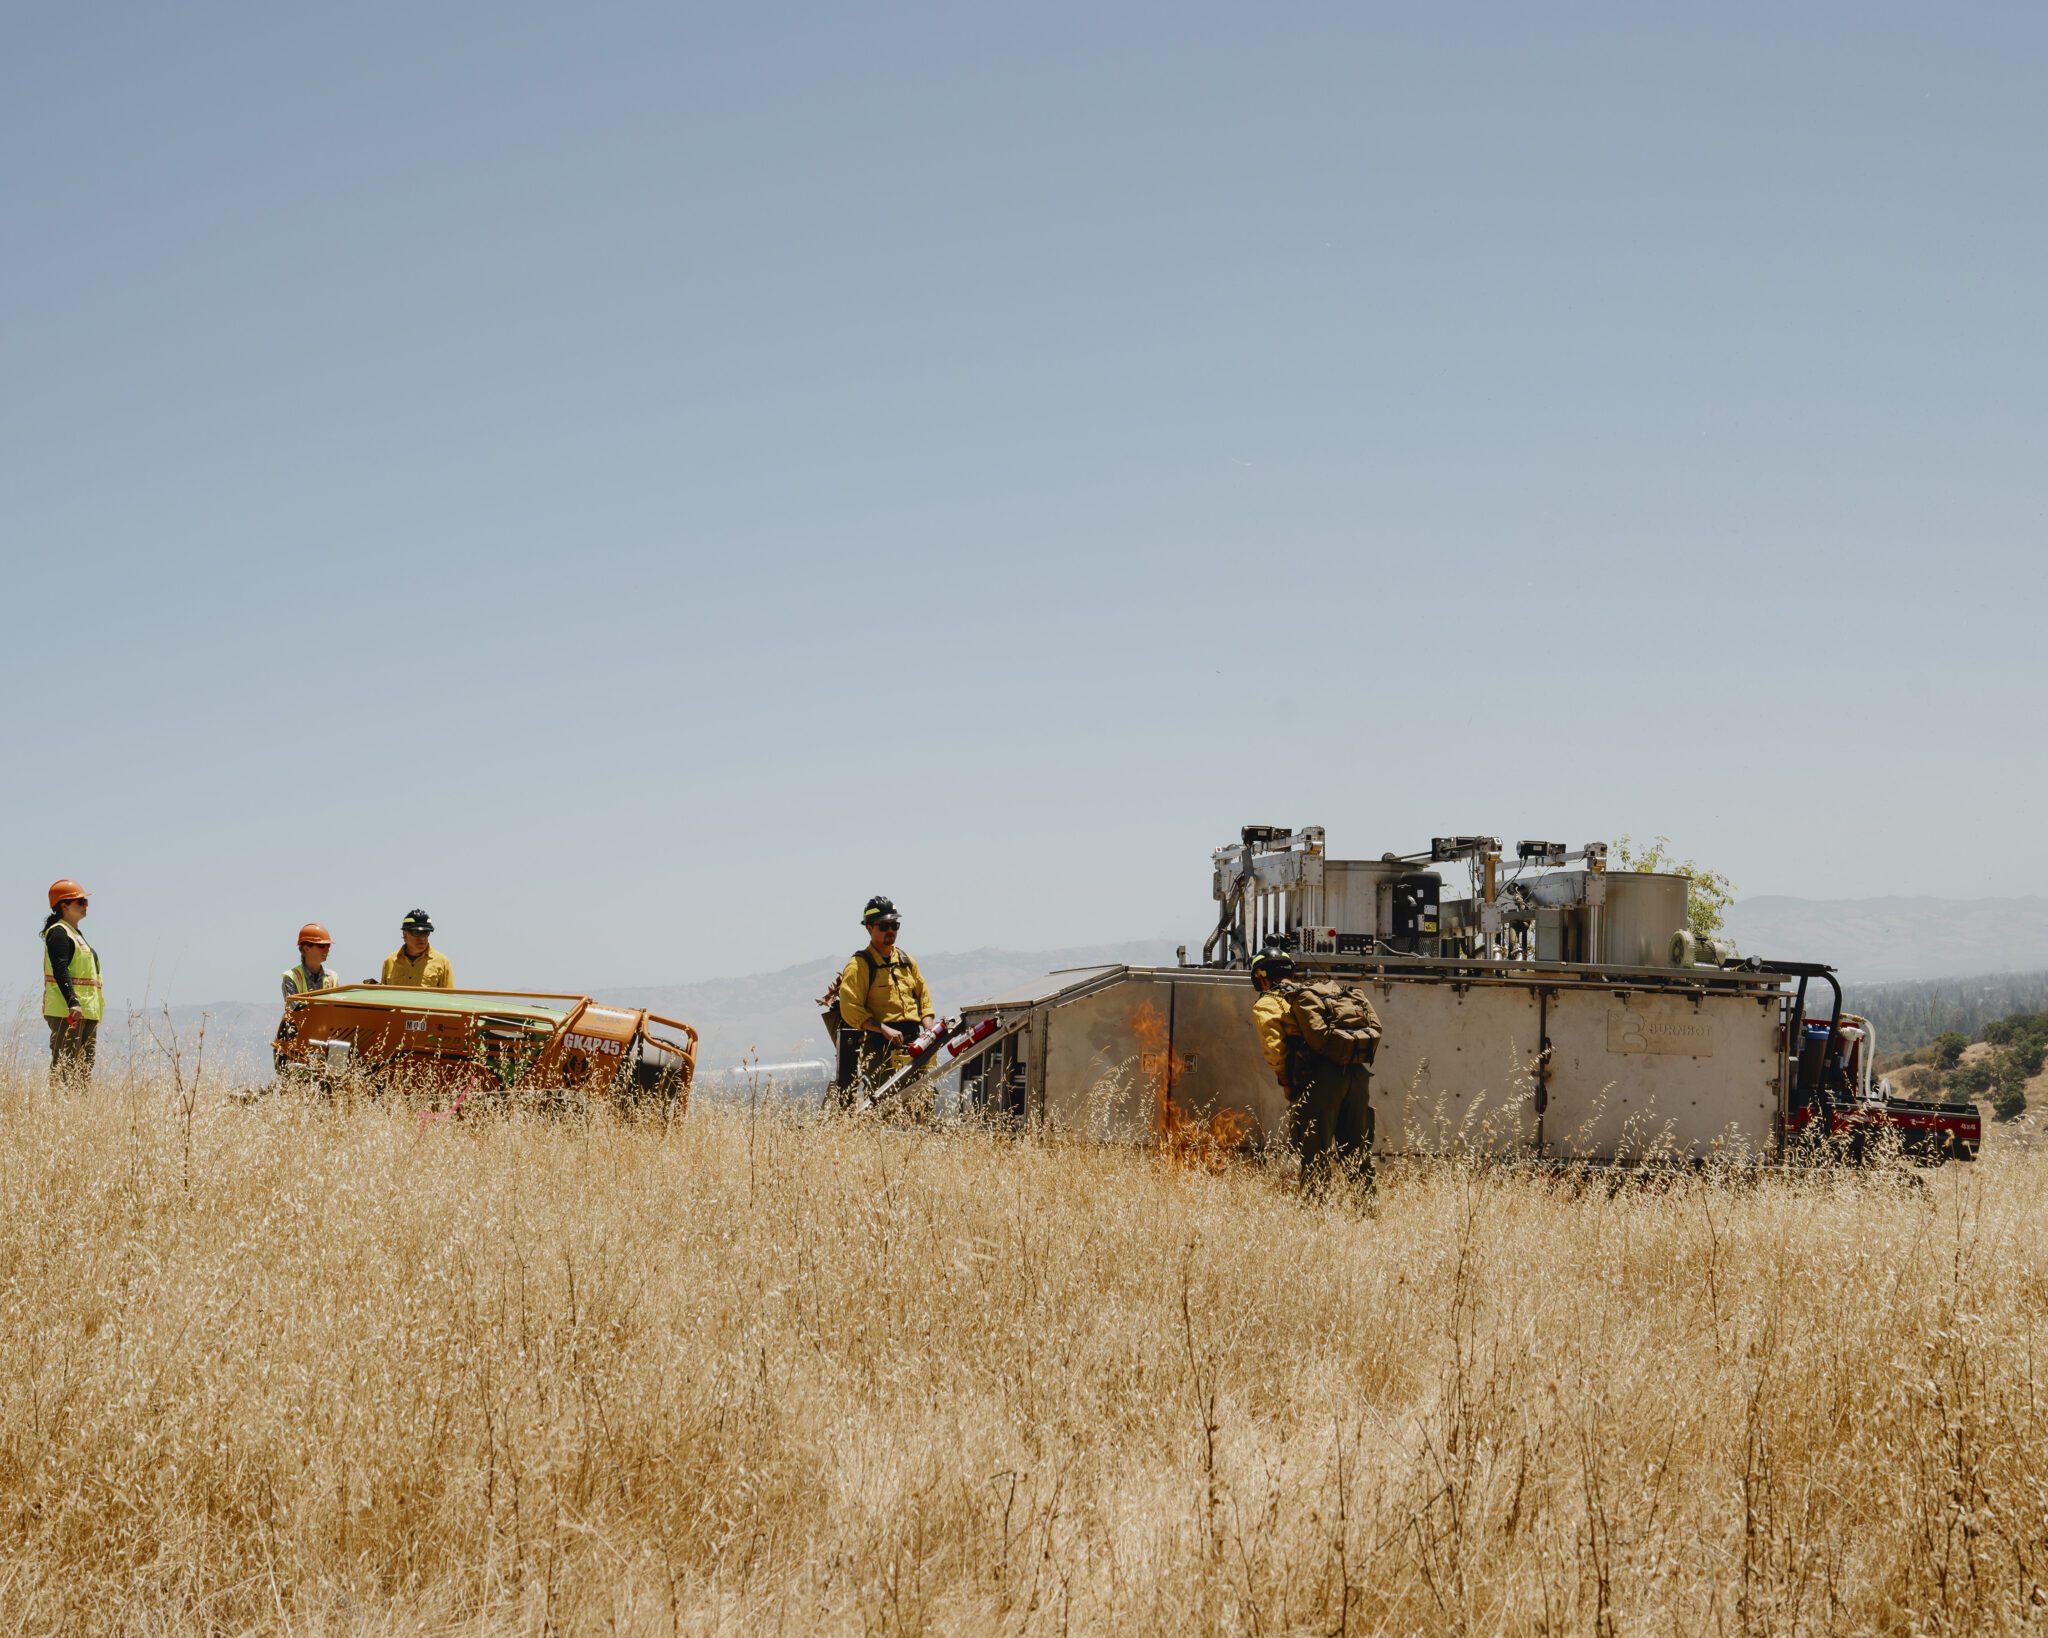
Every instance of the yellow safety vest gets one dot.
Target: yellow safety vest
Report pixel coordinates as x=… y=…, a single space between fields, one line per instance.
x=301 y=981
x=84 y=973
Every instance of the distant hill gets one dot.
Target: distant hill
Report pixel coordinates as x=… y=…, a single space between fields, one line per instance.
x=1883 y=940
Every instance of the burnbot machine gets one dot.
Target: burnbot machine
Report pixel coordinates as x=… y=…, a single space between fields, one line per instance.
x=1553 y=1008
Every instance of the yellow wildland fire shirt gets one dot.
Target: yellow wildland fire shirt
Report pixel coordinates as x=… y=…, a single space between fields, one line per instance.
x=1273 y=1018
x=430 y=972
x=896 y=992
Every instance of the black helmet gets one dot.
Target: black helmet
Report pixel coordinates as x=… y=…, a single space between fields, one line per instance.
x=881 y=908
x=416 y=921
x=1273 y=963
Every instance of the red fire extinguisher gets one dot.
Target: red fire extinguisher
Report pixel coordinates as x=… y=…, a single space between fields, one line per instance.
x=981 y=1032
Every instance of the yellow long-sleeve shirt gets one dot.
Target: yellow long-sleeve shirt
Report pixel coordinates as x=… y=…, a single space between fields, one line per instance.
x=1274 y=1020
x=431 y=971
x=896 y=991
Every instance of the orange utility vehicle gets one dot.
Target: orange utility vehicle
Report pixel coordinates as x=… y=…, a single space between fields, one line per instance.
x=482 y=1041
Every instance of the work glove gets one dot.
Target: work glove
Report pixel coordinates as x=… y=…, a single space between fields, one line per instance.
x=71 y=1018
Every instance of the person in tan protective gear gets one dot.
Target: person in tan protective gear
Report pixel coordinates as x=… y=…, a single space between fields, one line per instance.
x=73 y=994
x=883 y=1001
x=1318 y=1039
x=418 y=963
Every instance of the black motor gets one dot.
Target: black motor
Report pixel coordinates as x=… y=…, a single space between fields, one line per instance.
x=1413 y=921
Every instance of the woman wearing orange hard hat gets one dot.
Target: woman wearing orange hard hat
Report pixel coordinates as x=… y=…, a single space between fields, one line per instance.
x=73 y=997
x=311 y=973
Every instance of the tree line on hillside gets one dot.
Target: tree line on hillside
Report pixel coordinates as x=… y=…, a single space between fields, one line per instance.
x=2019 y=1047
x=1911 y=1013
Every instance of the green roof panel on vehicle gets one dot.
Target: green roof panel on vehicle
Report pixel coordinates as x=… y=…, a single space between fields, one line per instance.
x=554 y=1008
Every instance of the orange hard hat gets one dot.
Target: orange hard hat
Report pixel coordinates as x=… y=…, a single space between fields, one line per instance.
x=314 y=933
x=65 y=889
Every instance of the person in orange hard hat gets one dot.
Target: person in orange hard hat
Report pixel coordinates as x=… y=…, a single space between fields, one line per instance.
x=73 y=996
x=311 y=973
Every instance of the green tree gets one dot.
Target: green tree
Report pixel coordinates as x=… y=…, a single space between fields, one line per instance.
x=1708 y=893
x=1972 y=1079
x=2009 y=1079
x=1948 y=1048
x=1999 y=1031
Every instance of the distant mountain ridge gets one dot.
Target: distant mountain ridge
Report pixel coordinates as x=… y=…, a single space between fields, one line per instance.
x=1882 y=940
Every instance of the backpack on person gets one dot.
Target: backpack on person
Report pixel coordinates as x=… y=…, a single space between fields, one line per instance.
x=829 y=1001
x=1336 y=1020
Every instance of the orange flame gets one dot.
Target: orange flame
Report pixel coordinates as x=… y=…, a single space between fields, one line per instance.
x=1183 y=1138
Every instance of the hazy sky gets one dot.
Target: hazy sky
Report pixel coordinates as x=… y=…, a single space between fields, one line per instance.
x=636 y=480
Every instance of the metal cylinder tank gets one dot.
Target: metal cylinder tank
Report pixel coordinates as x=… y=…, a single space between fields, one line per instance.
x=1643 y=910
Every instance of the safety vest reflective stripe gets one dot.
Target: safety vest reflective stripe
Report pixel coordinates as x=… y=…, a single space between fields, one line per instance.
x=302 y=982
x=83 y=976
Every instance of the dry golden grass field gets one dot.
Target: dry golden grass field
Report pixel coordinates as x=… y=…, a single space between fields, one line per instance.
x=324 y=1369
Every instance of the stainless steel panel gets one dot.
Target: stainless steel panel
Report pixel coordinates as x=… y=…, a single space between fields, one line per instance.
x=1560 y=887
x=1095 y=1083
x=1453 y=1067
x=1456 y=1065
x=1216 y=1059
x=1351 y=894
x=1039 y=989
x=1643 y=910
x=1633 y=1070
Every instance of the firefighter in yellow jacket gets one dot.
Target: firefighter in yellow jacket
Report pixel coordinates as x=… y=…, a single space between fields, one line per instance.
x=417 y=963
x=1329 y=1105
x=884 y=1002
x=73 y=998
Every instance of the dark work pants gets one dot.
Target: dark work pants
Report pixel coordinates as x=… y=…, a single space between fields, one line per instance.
x=1329 y=1120
x=863 y=1053
x=72 y=1047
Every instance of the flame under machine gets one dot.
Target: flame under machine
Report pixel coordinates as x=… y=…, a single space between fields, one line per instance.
x=1553 y=1008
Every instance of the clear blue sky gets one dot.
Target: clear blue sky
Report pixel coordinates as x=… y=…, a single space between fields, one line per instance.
x=636 y=480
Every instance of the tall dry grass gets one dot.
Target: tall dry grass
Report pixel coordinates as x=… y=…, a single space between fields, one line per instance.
x=336 y=1369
